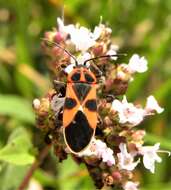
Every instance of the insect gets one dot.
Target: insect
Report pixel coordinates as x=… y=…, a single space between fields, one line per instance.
x=80 y=106
x=80 y=109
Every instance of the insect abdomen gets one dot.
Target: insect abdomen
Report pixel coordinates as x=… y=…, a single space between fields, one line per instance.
x=78 y=133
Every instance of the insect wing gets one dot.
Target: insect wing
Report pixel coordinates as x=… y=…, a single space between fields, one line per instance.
x=90 y=107
x=71 y=105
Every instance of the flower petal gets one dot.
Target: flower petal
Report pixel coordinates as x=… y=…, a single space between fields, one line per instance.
x=152 y=105
x=137 y=64
x=129 y=185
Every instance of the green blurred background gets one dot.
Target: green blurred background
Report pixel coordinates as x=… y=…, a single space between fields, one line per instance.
x=142 y=27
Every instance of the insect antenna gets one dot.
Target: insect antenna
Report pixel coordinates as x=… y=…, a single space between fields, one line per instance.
x=66 y=51
x=104 y=56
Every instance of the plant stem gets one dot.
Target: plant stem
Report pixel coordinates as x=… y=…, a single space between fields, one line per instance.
x=42 y=155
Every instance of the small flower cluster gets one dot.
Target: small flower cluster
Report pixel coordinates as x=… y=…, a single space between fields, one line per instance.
x=117 y=147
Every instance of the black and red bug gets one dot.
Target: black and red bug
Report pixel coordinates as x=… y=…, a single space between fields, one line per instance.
x=80 y=109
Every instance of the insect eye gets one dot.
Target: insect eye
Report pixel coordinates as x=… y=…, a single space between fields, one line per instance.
x=89 y=78
x=76 y=77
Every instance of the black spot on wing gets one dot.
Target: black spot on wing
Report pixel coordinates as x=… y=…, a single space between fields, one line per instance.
x=81 y=90
x=76 y=77
x=88 y=78
x=78 y=133
x=70 y=103
x=91 y=105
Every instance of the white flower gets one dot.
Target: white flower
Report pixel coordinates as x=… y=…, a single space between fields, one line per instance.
x=83 y=57
x=126 y=160
x=150 y=156
x=137 y=64
x=36 y=103
x=112 y=51
x=129 y=185
x=107 y=156
x=82 y=38
x=99 y=148
x=123 y=72
x=127 y=112
x=80 y=59
x=64 y=30
x=34 y=185
x=69 y=68
x=152 y=105
x=97 y=32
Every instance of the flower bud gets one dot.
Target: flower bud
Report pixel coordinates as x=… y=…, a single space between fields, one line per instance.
x=107 y=121
x=58 y=38
x=138 y=135
x=120 y=86
x=117 y=177
x=128 y=174
x=97 y=51
x=50 y=35
x=44 y=106
x=107 y=179
x=36 y=104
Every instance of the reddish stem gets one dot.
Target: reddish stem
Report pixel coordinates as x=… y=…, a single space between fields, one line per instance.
x=44 y=152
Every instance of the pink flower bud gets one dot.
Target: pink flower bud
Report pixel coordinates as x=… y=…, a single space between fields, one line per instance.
x=58 y=38
x=117 y=177
x=98 y=50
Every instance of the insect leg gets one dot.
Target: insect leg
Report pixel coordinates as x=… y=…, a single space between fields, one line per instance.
x=60 y=87
x=58 y=84
x=100 y=121
x=99 y=127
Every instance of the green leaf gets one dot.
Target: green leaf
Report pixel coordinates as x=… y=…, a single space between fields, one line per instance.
x=17 y=107
x=67 y=169
x=73 y=176
x=11 y=176
x=45 y=178
x=17 y=149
